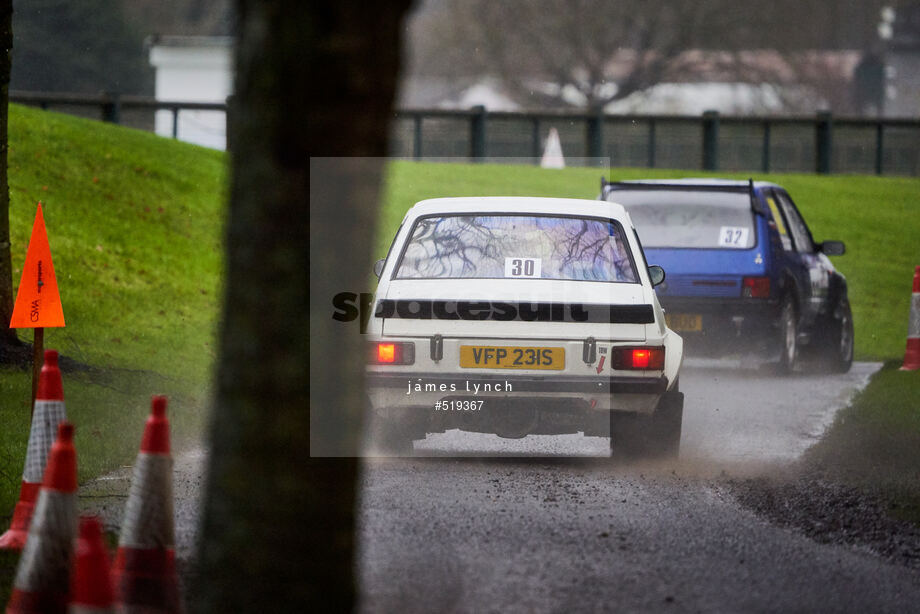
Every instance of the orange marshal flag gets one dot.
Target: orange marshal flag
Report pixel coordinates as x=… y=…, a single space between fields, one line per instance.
x=38 y=303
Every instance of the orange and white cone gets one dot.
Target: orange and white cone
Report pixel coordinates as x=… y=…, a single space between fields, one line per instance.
x=48 y=413
x=144 y=573
x=91 y=582
x=42 y=578
x=912 y=353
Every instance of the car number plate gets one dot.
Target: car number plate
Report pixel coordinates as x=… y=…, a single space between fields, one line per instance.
x=492 y=357
x=684 y=322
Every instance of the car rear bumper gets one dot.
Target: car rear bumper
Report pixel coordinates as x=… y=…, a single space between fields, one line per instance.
x=521 y=383
x=727 y=325
x=388 y=392
x=747 y=307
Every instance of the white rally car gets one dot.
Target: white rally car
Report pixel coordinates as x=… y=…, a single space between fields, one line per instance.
x=518 y=316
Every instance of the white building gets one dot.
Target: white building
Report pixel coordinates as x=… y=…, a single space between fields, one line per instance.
x=192 y=69
x=902 y=64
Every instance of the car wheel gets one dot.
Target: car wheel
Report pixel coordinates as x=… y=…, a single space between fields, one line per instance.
x=636 y=436
x=391 y=439
x=628 y=436
x=669 y=417
x=836 y=352
x=788 y=337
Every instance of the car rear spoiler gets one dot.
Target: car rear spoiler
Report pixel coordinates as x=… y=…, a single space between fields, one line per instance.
x=608 y=187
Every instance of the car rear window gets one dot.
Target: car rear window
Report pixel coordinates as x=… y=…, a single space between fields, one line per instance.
x=517 y=246
x=690 y=219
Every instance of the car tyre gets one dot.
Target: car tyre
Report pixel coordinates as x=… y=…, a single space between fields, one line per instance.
x=788 y=337
x=669 y=417
x=636 y=436
x=391 y=439
x=836 y=351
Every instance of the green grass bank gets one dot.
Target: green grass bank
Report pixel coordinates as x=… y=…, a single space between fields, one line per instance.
x=874 y=444
x=135 y=227
x=135 y=224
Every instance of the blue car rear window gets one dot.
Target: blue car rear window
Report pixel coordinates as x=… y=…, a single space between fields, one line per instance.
x=690 y=219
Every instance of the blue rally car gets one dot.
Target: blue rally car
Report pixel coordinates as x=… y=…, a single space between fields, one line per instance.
x=743 y=272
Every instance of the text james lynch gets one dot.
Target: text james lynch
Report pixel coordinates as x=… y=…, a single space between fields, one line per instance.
x=473 y=387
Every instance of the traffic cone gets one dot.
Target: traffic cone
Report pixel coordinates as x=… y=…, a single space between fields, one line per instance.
x=552 y=153
x=912 y=353
x=91 y=583
x=42 y=577
x=144 y=573
x=49 y=412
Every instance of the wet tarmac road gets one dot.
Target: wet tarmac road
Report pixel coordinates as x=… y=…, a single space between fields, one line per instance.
x=548 y=524
x=731 y=416
x=542 y=526
x=450 y=535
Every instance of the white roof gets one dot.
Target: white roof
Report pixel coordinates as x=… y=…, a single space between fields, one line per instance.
x=518 y=204
x=695 y=98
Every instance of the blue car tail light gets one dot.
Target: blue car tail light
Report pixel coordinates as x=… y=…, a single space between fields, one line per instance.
x=755 y=287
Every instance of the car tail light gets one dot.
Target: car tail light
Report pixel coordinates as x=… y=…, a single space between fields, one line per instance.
x=755 y=287
x=642 y=359
x=392 y=353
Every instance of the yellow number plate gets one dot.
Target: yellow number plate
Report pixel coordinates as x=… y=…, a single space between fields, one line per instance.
x=491 y=357
x=684 y=322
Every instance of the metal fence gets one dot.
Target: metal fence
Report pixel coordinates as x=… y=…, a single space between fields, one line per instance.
x=133 y=111
x=820 y=143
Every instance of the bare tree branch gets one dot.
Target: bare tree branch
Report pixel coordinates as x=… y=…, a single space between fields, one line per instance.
x=588 y=53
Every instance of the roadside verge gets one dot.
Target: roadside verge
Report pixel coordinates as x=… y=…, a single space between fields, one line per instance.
x=860 y=484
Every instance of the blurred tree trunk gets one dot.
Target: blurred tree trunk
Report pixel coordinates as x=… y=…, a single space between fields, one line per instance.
x=312 y=79
x=8 y=337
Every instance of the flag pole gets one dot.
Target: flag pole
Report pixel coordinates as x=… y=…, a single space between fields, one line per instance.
x=38 y=353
